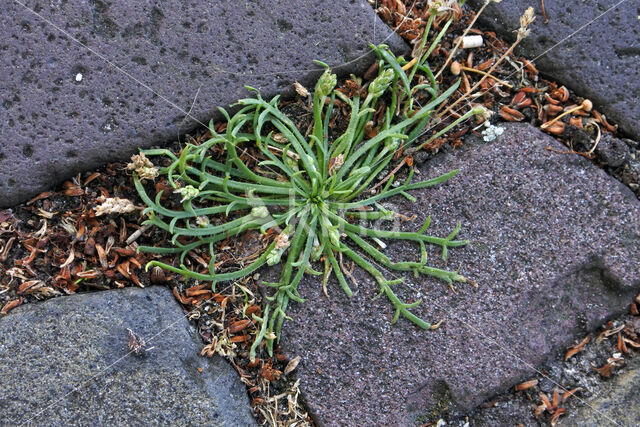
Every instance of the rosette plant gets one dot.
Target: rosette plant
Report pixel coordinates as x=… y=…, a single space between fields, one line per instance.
x=310 y=193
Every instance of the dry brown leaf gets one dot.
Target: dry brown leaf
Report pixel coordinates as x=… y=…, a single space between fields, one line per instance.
x=552 y=109
x=545 y=401
x=510 y=114
x=556 y=128
x=539 y=410
x=622 y=345
x=89 y=274
x=29 y=286
x=569 y=393
x=561 y=94
x=72 y=190
x=526 y=385
x=11 y=305
x=239 y=325
x=123 y=269
x=101 y=256
x=605 y=370
x=556 y=415
x=485 y=65
x=91 y=178
x=135 y=280
x=556 y=398
x=577 y=348
x=253 y=309
x=40 y=196
x=70 y=258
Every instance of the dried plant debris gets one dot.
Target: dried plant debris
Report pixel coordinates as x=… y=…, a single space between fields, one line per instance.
x=511 y=89
x=137 y=345
x=570 y=380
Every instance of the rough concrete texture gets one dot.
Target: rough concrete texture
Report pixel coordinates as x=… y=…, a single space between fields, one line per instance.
x=64 y=108
x=618 y=401
x=600 y=62
x=555 y=250
x=50 y=348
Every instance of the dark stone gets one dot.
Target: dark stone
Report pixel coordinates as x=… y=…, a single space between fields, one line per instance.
x=600 y=61
x=65 y=361
x=555 y=246
x=617 y=403
x=612 y=151
x=53 y=126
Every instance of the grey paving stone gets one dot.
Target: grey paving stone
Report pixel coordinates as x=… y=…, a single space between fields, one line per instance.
x=618 y=401
x=63 y=108
x=600 y=61
x=555 y=246
x=48 y=349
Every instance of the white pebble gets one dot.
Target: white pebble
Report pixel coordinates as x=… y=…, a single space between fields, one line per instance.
x=469 y=42
x=79 y=77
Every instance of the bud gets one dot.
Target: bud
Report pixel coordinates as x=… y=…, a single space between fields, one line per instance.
x=381 y=83
x=392 y=144
x=273 y=257
x=260 y=212
x=188 y=192
x=334 y=235
x=202 y=221
x=316 y=250
x=326 y=83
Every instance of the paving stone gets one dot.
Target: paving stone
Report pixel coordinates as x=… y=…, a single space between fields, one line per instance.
x=81 y=341
x=555 y=246
x=63 y=108
x=600 y=62
x=618 y=401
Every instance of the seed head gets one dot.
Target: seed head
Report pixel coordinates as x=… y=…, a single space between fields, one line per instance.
x=274 y=257
x=525 y=20
x=260 y=212
x=114 y=205
x=282 y=241
x=334 y=236
x=326 y=83
x=202 y=221
x=188 y=192
x=335 y=163
x=381 y=83
x=143 y=167
x=302 y=91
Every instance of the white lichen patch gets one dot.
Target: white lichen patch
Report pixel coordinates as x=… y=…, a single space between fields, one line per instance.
x=491 y=132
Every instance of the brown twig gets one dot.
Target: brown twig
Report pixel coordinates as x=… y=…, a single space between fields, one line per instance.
x=544 y=13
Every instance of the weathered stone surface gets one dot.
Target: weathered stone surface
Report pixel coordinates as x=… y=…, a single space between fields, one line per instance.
x=63 y=108
x=555 y=250
x=612 y=151
x=617 y=400
x=81 y=341
x=600 y=62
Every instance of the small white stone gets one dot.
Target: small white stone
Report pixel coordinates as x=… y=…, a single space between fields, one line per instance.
x=79 y=77
x=469 y=42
